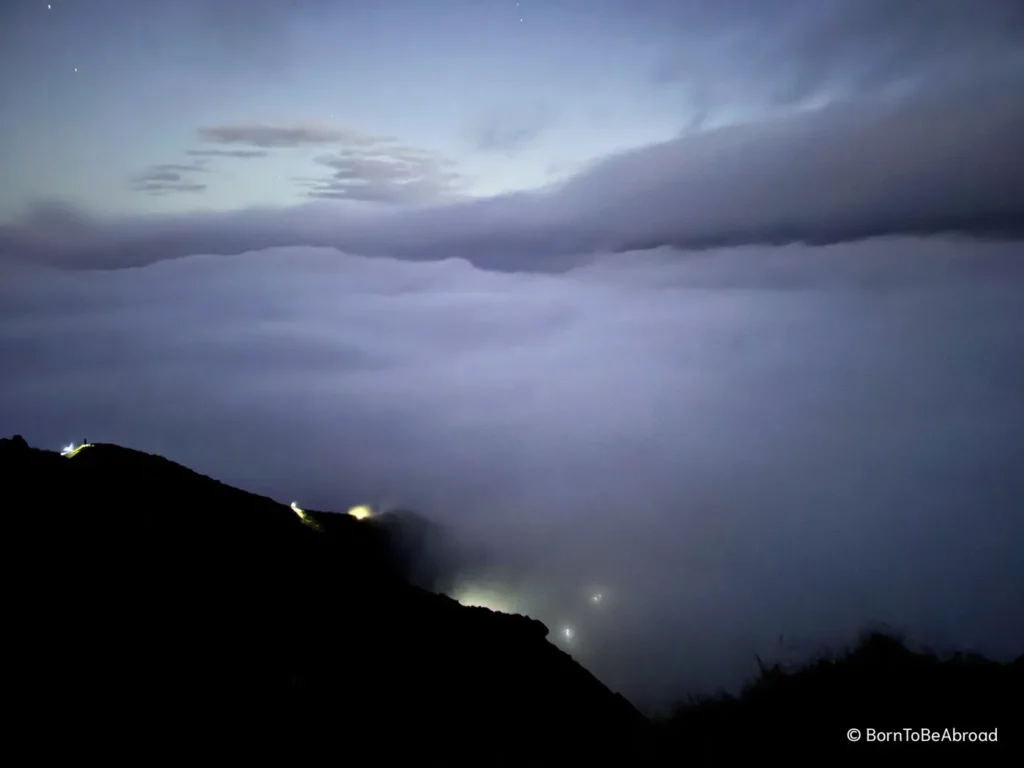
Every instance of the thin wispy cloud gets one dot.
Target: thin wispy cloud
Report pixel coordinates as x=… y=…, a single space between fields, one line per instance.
x=236 y=153
x=511 y=130
x=276 y=136
x=391 y=174
x=169 y=178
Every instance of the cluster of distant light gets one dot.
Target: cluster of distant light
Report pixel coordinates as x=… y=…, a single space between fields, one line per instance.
x=359 y=513
x=490 y=599
x=498 y=599
x=70 y=450
x=472 y=597
x=568 y=632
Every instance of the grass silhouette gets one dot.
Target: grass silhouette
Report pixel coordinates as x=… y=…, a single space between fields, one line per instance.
x=880 y=686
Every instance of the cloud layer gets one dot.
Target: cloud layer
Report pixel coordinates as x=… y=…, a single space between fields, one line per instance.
x=386 y=174
x=170 y=177
x=274 y=136
x=780 y=53
x=362 y=167
x=934 y=163
x=752 y=443
x=735 y=381
x=244 y=154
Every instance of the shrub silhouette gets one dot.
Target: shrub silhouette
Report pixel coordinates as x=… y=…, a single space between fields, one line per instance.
x=803 y=713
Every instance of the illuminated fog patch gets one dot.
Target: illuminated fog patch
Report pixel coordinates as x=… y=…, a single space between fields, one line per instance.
x=361 y=512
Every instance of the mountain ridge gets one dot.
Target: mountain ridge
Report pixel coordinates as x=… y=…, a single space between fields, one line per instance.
x=216 y=610
x=156 y=611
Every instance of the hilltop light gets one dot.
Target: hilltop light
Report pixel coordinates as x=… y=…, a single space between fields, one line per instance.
x=361 y=512
x=305 y=518
x=71 y=450
x=568 y=633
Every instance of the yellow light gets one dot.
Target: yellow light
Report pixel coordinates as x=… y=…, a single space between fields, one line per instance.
x=306 y=519
x=360 y=513
x=70 y=450
x=482 y=597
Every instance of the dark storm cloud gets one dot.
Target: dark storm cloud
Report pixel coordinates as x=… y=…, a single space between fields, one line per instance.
x=236 y=153
x=931 y=164
x=274 y=136
x=168 y=178
x=768 y=441
x=937 y=162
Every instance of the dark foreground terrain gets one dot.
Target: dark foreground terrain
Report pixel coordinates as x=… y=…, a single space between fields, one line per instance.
x=157 y=612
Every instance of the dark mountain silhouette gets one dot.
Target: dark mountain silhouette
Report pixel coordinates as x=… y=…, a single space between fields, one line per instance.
x=158 y=606
x=155 y=611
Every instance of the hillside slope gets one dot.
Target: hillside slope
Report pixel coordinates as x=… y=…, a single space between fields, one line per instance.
x=154 y=611
x=154 y=605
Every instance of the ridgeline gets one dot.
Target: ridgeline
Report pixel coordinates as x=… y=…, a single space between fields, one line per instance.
x=158 y=612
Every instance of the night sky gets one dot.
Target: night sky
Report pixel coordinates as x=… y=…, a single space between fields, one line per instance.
x=716 y=308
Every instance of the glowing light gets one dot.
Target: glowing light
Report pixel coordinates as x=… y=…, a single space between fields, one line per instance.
x=596 y=598
x=305 y=518
x=568 y=633
x=70 y=451
x=360 y=512
x=478 y=597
